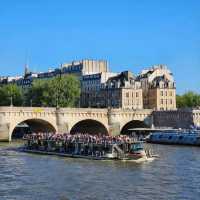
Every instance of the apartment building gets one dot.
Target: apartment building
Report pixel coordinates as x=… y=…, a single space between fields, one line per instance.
x=154 y=88
x=158 y=85
x=122 y=91
x=84 y=67
x=90 y=88
x=116 y=90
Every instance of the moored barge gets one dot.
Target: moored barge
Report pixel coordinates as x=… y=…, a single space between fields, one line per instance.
x=178 y=138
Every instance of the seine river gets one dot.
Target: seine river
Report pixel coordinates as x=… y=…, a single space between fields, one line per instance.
x=174 y=176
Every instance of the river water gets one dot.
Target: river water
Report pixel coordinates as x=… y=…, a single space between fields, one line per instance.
x=174 y=176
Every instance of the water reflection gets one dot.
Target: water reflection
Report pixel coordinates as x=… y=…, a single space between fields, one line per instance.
x=175 y=175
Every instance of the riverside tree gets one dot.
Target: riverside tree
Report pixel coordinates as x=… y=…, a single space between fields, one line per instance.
x=188 y=100
x=11 y=94
x=63 y=91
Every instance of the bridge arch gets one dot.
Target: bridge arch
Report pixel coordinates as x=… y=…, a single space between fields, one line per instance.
x=131 y=125
x=31 y=125
x=90 y=126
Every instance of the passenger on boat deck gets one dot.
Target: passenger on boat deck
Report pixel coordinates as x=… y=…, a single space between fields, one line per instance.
x=80 y=137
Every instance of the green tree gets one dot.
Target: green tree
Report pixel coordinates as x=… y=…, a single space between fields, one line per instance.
x=38 y=94
x=188 y=100
x=11 y=94
x=179 y=101
x=60 y=91
x=67 y=90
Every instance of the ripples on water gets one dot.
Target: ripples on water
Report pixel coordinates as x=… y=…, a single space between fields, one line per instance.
x=174 y=176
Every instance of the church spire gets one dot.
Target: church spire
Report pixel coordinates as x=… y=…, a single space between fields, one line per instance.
x=26 y=70
x=26 y=67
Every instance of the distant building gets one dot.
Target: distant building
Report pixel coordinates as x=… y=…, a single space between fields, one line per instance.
x=90 y=88
x=77 y=68
x=9 y=79
x=122 y=91
x=49 y=74
x=153 y=88
x=85 y=67
x=159 y=91
x=111 y=90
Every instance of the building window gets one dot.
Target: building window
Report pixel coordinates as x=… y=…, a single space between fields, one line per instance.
x=137 y=94
x=161 y=93
x=127 y=94
x=161 y=101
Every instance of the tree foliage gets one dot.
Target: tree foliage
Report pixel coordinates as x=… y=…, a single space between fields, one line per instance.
x=60 y=91
x=188 y=100
x=38 y=94
x=11 y=94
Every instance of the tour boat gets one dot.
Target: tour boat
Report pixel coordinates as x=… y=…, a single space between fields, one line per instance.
x=134 y=152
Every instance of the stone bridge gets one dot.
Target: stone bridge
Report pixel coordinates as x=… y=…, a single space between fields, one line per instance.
x=71 y=120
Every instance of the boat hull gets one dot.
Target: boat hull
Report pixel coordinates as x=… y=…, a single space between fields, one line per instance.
x=174 y=139
x=139 y=159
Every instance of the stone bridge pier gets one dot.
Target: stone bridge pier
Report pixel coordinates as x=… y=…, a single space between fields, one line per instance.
x=71 y=120
x=120 y=121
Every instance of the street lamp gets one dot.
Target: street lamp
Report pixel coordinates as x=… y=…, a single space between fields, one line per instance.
x=11 y=94
x=58 y=88
x=57 y=104
x=11 y=101
x=89 y=105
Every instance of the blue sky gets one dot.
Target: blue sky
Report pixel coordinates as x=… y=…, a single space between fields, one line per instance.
x=130 y=34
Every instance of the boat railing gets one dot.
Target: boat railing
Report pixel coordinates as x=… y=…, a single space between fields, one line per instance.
x=148 y=152
x=120 y=152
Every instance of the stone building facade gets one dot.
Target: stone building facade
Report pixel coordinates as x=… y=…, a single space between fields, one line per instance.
x=90 y=88
x=158 y=85
x=77 y=68
x=153 y=88
x=111 y=90
x=122 y=91
x=85 y=67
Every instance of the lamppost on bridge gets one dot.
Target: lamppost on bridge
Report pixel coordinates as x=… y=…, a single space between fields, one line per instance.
x=11 y=101
x=58 y=88
x=57 y=104
x=11 y=95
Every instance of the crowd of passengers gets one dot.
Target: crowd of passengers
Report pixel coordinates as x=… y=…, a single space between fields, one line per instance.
x=82 y=144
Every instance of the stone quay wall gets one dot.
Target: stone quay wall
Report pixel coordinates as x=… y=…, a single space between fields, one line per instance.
x=183 y=118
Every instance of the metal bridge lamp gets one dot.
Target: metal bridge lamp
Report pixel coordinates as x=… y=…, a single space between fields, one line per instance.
x=11 y=101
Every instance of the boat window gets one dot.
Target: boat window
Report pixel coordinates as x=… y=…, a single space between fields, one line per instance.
x=137 y=146
x=160 y=136
x=109 y=149
x=180 y=137
x=170 y=137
